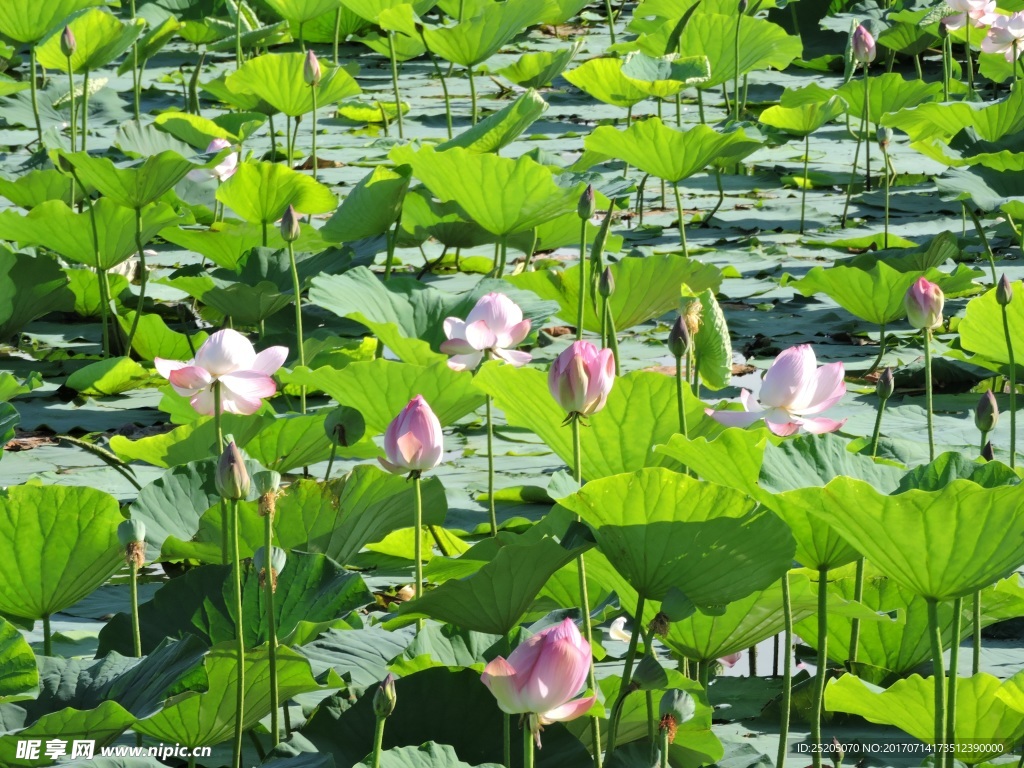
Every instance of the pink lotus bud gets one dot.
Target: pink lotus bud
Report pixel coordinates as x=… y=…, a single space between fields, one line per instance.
x=581 y=378
x=863 y=45
x=542 y=675
x=290 y=231
x=923 y=302
x=68 y=44
x=311 y=69
x=413 y=441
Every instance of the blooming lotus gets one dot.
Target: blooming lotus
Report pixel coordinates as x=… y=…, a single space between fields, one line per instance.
x=581 y=378
x=413 y=441
x=924 y=301
x=494 y=326
x=793 y=389
x=980 y=13
x=224 y=170
x=1005 y=36
x=229 y=360
x=542 y=676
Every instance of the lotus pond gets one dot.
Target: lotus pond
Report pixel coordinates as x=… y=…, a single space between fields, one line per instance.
x=525 y=383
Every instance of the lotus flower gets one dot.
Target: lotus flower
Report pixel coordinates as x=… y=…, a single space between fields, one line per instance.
x=863 y=45
x=229 y=358
x=223 y=170
x=581 y=378
x=981 y=13
x=542 y=675
x=731 y=659
x=793 y=389
x=413 y=441
x=923 y=302
x=1006 y=36
x=495 y=325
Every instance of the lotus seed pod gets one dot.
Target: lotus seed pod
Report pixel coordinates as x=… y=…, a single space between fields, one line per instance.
x=132 y=536
x=278 y=559
x=606 y=285
x=585 y=208
x=659 y=624
x=886 y=385
x=290 y=226
x=677 y=707
x=986 y=415
x=1004 y=291
x=884 y=137
x=68 y=44
x=345 y=426
x=311 y=69
x=232 y=479
x=267 y=481
x=679 y=338
x=384 y=699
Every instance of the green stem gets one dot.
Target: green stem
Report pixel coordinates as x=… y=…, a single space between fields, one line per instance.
x=297 y=288
x=627 y=673
x=528 y=743
x=315 y=164
x=47 y=637
x=736 y=71
x=822 y=670
x=976 y=639
x=444 y=89
x=858 y=596
x=984 y=240
x=490 y=468
x=878 y=428
x=613 y=341
x=611 y=20
x=867 y=128
x=881 y=348
x=969 y=56
x=35 y=96
x=679 y=213
x=928 y=391
x=506 y=736
x=268 y=598
x=787 y=672
x=236 y=569
x=378 y=741
x=74 y=117
x=330 y=461
x=392 y=240
x=101 y=278
x=947 y=67
x=142 y=280
x=238 y=36
x=604 y=321
x=1013 y=389
x=885 y=240
x=394 y=83
x=134 y=584
x=225 y=538
x=418 y=545
x=853 y=176
x=803 y=187
x=954 y=657
x=938 y=672
x=680 y=408
x=502 y=255
x=85 y=111
x=663 y=758
x=472 y=94
x=583 y=280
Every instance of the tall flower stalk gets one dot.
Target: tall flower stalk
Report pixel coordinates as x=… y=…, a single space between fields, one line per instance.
x=787 y=671
x=679 y=346
x=585 y=210
x=924 y=301
x=884 y=388
x=384 y=700
x=311 y=74
x=132 y=536
x=1004 y=295
x=268 y=567
x=290 y=233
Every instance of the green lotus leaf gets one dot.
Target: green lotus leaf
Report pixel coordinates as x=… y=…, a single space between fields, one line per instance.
x=205 y=31
x=301 y=11
x=429 y=755
x=665 y=152
x=190 y=442
x=101 y=37
x=371 y=10
x=645 y=288
x=57 y=544
x=501 y=128
x=640 y=413
x=28 y=21
x=712 y=343
x=108 y=377
x=30 y=287
x=248 y=305
x=322 y=28
x=228 y=244
x=663 y=75
x=135 y=186
x=989 y=120
x=200 y=131
x=502 y=195
x=9 y=87
x=803 y=119
x=983 y=717
x=261 y=192
x=277 y=78
x=406 y=47
x=154 y=339
x=19 y=677
x=558 y=12
x=423 y=218
x=371 y=208
x=604 y=80
x=101 y=725
x=888 y=93
x=36 y=187
x=664 y=531
x=537 y=70
x=941 y=544
x=151 y=43
x=209 y=717
x=359 y=111
x=981 y=330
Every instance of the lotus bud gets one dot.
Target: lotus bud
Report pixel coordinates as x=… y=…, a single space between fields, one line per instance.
x=924 y=301
x=606 y=285
x=585 y=208
x=986 y=415
x=345 y=426
x=267 y=483
x=278 y=559
x=232 y=479
x=311 y=69
x=743 y=6
x=884 y=137
x=649 y=675
x=68 y=44
x=838 y=753
x=677 y=707
x=132 y=536
x=863 y=45
x=987 y=453
x=290 y=226
x=1004 y=291
x=384 y=699
x=886 y=385
x=679 y=338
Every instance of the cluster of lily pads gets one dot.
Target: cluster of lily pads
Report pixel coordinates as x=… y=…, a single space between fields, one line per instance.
x=308 y=565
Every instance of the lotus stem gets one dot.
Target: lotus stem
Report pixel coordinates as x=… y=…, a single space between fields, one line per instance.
x=970 y=58
x=444 y=88
x=136 y=75
x=297 y=288
x=472 y=94
x=853 y=176
x=316 y=165
x=679 y=213
x=821 y=672
x=101 y=278
x=976 y=639
x=679 y=396
x=954 y=656
x=867 y=127
x=337 y=36
x=302 y=36
x=577 y=461
x=604 y=321
x=787 y=671
x=649 y=696
x=142 y=280
x=225 y=538
x=490 y=468
x=928 y=391
x=583 y=280
x=238 y=37
x=627 y=674
x=613 y=340
x=47 y=637
x=236 y=566
x=752 y=661
x=935 y=635
x=721 y=198
x=1013 y=387
x=378 y=741
x=74 y=120
x=85 y=111
x=418 y=545
x=133 y=582
x=394 y=82
x=502 y=254
x=611 y=20
x=984 y=240
x=885 y=237
x=736 y=72
x=640 y=200
x=881 y=348
x=35 y=96
x=947 y=66
x=268 y=598
x=528 y=742
x=878 y=431
x=506 y=737
x=663 y=758
x=858 y=596
x=803 y=197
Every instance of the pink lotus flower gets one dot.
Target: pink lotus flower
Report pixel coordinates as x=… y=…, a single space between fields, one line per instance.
x=793 y=389
x=541 y=677
x=981 y=13
x=923 y=302
x=229 y=358
x=413 y=441
x=223 y=170
x=581 y=378
x=494 y=326
x=863 y=45
x=1006 y=36
x=731 y=659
